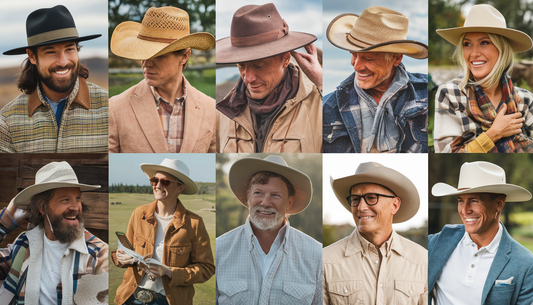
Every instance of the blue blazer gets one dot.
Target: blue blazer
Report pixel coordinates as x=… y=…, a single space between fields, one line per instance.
x=511 y=259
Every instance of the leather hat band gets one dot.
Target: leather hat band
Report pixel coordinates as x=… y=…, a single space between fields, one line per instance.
x=52 y=35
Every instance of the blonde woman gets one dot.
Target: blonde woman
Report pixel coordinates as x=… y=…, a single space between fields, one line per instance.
x=482 y=111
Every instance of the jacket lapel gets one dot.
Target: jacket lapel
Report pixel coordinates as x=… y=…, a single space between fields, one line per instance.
x=498 y=264
x=439 y=257
x=146 y=114
x=193 y=113
x=35 y=242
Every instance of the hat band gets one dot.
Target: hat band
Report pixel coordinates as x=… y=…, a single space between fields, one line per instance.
x=165 y=40
x=52 y=35
x=262 y=38
x=353 y=41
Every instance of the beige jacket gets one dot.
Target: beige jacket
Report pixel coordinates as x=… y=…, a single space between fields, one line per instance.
x=135 y=127
x=353 y=273
x=297 y=128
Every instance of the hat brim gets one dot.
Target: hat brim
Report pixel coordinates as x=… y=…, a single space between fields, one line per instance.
x=22 y=50
x=150 y=169
x=22 y=200
x=520 y=41
x=229 y=54
x=242 y=171
x=125 y=43
x=342 y=25
x=513 y=192
x=399 y=184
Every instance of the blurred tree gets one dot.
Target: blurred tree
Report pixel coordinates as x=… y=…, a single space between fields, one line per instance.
x=442 y=14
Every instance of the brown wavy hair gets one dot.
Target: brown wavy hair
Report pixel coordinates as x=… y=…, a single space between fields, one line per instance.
x=29 y=77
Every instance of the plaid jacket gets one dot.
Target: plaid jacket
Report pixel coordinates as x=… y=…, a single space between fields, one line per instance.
x=28 y=123
x=453 y=117
x=20 y=270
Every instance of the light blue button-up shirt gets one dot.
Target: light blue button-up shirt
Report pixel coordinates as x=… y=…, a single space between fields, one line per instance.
x=294 y=276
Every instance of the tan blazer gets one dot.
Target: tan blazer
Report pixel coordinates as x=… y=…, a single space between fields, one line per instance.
x=135 y=127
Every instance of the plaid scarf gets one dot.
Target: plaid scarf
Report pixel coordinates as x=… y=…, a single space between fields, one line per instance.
x=483 y=111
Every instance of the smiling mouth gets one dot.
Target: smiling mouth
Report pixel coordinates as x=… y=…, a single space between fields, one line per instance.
x=477 y=64
x=366 y=217
x=61 y=72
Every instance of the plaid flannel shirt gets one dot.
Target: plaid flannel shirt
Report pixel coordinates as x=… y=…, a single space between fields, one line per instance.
x=19 y=277
x=453 y=117
x=83 y=128
x=294 y=277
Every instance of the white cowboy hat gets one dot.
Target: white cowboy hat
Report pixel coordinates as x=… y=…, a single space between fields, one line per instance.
x=482 y=177
x=485 y=18
x=163 y=30
x=175 y=168
x=378 y=29
x=242 y=171
x=51 y=176
x=372 y=172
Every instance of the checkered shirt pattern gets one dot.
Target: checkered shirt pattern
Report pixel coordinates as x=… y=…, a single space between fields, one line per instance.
x=172 y=118
x=81 y=130
x=295 y=276
x=453 y=116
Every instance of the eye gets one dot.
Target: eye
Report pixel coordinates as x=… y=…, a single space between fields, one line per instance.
x=371 y=197
x=466 y=44
x=485 y=42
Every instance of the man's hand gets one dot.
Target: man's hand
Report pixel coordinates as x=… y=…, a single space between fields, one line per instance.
x=124 y=258
x=17 y=214
x=310 y=64
x=505 y=125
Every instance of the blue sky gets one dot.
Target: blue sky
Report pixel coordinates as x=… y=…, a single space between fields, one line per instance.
x=126 y=169
x=90 y=18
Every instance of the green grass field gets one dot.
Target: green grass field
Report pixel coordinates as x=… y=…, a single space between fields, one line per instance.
x=119 y=216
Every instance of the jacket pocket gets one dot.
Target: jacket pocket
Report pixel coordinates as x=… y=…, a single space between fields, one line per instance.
x=139 y=244
x=232 y=292
x=346 y=292
x=501 y=295
x=298 y=293
x=407 y=292
x=179 y=255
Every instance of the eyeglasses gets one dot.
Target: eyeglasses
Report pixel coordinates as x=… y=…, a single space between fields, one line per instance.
x=164 y=182
x=370 y=199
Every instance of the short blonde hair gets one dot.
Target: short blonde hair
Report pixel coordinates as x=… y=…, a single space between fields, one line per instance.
x=505 y=61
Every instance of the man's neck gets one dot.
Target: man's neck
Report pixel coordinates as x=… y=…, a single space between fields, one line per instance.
x=483 y=240
x=377 y=238
x=54 y=96
x=266 y=237
x=171 y=90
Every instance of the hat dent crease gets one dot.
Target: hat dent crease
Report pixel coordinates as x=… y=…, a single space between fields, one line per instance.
x=175 y=168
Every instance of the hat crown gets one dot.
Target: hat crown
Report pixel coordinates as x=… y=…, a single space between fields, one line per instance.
x=276 y=159
x=165 y=23
x=484 y=15
x=56 y=172
x=379 y=24
x=251 y=20
x=49 y=19
x=478 y=174
x=176 y=165
x=366 y=167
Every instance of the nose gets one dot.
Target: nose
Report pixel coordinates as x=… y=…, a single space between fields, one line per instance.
x=248 y=75
x=464 y=208
x=357 y=63
x=475 y=51
x=147 y=63
x=62 y=59
x=362 y=205
x=265 y=201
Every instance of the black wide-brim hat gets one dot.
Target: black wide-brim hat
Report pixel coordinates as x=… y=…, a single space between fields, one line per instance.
x=48 y=26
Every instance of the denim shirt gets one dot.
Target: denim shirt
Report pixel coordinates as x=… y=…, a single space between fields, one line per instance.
x=341 y=133
x=294 y=277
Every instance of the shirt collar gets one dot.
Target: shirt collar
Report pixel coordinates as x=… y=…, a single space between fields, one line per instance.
x=283 y=233
x=159 y=99
x=79 y=95
x=386 y=246
x=492 y=247
x=401 y=78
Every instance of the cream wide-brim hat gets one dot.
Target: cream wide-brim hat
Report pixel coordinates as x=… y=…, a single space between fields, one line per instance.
x=378 y=29
x=484 y=18
x=375 y=173
x=53 y=175
x=175 y=168
x=482 y=177
x=163 y=30
x=242 y=171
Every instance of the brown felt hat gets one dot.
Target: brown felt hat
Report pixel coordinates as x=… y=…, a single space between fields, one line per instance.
x=378 y=29
x=163 y=30
x=257 y=32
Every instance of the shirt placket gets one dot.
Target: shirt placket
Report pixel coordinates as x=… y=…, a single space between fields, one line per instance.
x=266 y=286
x=174 y=127
x=381 y=296
x=475 y=258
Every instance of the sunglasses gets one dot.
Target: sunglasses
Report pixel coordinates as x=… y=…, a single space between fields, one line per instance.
x=164 y=182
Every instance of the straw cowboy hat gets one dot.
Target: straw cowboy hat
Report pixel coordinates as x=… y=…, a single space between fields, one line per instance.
x=242 y=171
x=375 y=173
x=175 y=168
x=378 y=29
x=47 y=26
x=257 y=32
x=53 y=175
x=482 y=177
x=163 y=30
x=485 y=18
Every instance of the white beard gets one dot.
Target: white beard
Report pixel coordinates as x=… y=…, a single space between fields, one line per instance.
x=264 y=223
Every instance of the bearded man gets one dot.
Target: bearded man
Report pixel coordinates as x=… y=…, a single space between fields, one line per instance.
x=58 y=261
x=265 y=261
x=58 y=110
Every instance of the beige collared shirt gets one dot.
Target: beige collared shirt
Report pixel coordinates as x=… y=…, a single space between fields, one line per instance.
x=356 y=272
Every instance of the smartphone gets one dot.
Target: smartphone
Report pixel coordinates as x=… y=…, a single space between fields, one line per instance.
x=124 y=240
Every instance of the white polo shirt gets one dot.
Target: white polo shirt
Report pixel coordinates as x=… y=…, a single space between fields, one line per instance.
x=463 y=277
